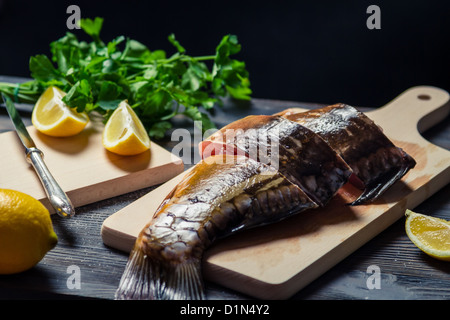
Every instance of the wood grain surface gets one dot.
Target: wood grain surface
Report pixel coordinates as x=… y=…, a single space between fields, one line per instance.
x=406 y=272
x=84 y=169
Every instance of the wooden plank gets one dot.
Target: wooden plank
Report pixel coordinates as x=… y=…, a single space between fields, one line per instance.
x=84 y=169
x=276 y=261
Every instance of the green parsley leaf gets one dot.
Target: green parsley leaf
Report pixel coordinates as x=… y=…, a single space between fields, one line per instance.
x=92 y=27
x=176 y=44
x=42 y=68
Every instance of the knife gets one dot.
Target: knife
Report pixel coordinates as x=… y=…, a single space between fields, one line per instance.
x=57 y=197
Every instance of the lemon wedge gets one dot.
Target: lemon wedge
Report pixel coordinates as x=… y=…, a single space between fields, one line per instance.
x=124 y=133
x=429 y=234
x=53 y=117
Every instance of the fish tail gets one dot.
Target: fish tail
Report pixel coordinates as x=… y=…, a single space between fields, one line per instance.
x=152 y=279
x=384 y=182
x=378 y=187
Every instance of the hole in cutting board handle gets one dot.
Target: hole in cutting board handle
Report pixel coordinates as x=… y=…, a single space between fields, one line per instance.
x=424 y=97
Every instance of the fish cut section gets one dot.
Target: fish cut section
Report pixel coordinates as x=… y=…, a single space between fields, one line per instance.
x=376 y=162
x=296 y=151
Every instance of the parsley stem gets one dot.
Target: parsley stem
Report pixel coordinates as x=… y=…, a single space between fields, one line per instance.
x=203 y=58
x=26 y=93
x=167 y=61
x=185 y=59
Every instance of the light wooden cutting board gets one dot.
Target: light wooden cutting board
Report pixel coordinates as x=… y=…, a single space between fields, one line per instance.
x=84 y=169
x=276 y=261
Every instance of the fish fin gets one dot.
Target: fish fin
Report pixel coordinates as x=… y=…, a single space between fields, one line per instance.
x=379 y=186
x=150 y=279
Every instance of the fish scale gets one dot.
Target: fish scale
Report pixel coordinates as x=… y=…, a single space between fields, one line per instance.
x=374 y=159
x=298 y=152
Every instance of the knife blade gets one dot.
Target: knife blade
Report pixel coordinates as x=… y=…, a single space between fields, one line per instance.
x=57 y=197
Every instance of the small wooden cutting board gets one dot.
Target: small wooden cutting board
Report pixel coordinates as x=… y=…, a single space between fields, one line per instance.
x=276 y=261
x=84 y=169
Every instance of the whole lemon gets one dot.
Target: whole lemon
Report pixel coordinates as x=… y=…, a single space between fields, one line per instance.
x=26 y=231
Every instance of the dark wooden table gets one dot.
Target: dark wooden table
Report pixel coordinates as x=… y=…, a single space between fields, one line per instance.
x=406 y=273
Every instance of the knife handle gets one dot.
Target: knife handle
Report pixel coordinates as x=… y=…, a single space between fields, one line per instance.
x=58 y=198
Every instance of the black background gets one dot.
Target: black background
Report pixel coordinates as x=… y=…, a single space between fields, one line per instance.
x=310 y=51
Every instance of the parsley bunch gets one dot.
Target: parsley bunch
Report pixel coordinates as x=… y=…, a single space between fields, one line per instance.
x=97 y=76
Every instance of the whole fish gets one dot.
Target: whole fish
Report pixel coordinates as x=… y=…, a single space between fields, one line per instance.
x=376 y=162
x=300 y=154
x=221 y=195
x=256 y=171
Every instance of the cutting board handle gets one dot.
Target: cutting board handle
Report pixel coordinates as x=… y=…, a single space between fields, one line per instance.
x=419 y=107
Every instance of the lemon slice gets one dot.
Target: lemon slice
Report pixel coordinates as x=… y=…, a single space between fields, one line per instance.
x=124 y=133
x=429 y=234
x=53 y=117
